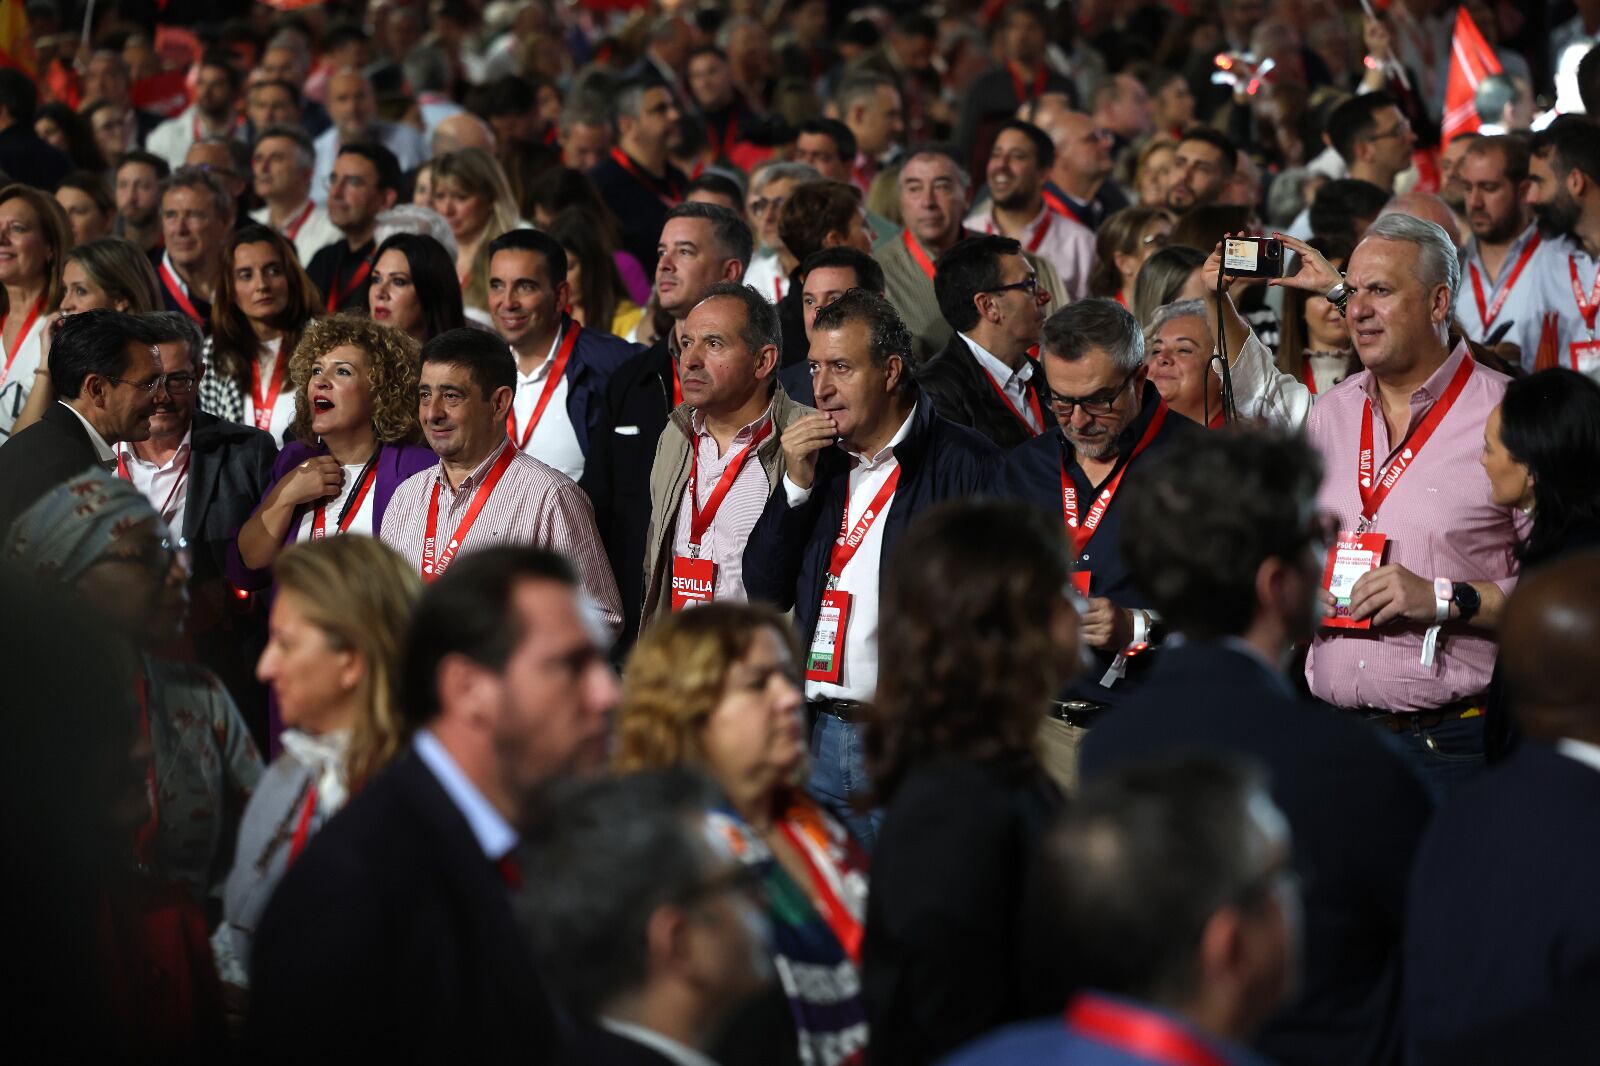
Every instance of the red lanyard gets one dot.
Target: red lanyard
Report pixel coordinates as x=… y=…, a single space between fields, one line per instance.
x=844 y=549
x=1060 y=206
x=677 y=387
x=557 y=371
x=266 y=401
x=337 y=292
x=431 y=569
x=700 y=518
x=172 y=493
x=1020 y=87
x=777 y=289
x=179 y=294
x=145 y=837
x=319 y=517
x=292 y=230
x=1218 y=420
x=671 y=197
x=1373 y=494
x=1083 y=532
x=1307 y=374
x=22 y=334
x=1038 y=234
x=1487 y=314
x=722 y=145
x=1587 y=308
x=302 y=828
x=1033 y=401
x=1140 y=1033
x=917 y=253
x=1121 y=299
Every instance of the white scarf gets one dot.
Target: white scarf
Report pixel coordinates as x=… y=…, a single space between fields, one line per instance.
x=324 y=756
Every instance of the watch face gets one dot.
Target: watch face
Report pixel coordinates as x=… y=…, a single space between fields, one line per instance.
x=1467 y=596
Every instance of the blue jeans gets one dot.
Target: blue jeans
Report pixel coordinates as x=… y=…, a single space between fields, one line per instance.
x=1445 y=756
x=839 y=776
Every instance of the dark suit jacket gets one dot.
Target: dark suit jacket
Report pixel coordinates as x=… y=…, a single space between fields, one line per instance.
x=640 y=207
x=1502 y=924
x=786 y=559
x=39 y=458
x=230 y=466
x=942 y=955
x=1357 y=815
x=616 y=471
x=962 y=393
x=594 y=1046
x=394 y=914
x=28 y=158
x=595 y=358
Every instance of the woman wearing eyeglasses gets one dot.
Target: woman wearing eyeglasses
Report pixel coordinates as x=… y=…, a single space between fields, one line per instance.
x=1122 y=244
x=34 y=238
x=355 y=396
x=263 y=305
x=717 y=688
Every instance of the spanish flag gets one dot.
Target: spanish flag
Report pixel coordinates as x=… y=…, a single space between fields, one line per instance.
x=16 y=40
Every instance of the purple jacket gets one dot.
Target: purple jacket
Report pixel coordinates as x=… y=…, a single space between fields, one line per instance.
x=396 y=462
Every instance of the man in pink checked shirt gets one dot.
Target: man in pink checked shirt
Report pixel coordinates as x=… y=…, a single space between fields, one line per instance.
x=1401 y=441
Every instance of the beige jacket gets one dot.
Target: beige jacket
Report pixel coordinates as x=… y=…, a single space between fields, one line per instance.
x=669 y=475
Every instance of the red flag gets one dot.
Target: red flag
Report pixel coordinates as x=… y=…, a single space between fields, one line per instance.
x=1471 y=60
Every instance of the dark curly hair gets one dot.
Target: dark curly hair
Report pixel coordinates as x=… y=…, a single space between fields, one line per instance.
x=392 y=358
x=967 y=659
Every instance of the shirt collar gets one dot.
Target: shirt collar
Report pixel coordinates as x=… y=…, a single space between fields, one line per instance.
x=678 y=1054
x=494 y=834
x=996 y=367
x=1437 y=382
x=697 y=422
x=549 y=361
x=183 y=449
x=102 y=450
x=887 y=452
x=1475 y=253
x=474 y=479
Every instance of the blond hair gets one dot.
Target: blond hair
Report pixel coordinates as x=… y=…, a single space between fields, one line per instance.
x=361 y=595
x=393 y=361
x=479 y=174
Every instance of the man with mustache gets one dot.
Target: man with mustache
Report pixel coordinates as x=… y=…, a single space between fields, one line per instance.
x=1505 y=250
x=1564 y=191
x=484 y=492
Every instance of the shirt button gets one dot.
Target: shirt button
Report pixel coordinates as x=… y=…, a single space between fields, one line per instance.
x=1361 y=664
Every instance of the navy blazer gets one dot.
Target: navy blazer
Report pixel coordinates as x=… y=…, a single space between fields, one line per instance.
x=1503 y=931
x=786 y=560
x=1032 y=474
x=39 y=458
x=394 y=913
x=1357 y=814
x=961 y=391
x=595 y=358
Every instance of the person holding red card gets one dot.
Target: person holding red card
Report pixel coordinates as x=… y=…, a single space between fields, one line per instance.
x=1401 y=441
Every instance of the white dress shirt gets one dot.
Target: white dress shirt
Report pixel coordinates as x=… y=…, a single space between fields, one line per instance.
x=668 y=1048
x=858 y=676
x=765 y=275
x=1014 y=383
x=360 y=522
x=494 y=834
x=314 y=234
x=165 y=486
x=17 y=383
x=554 y=441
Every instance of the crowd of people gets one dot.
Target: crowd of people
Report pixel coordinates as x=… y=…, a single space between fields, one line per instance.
x=747 y=534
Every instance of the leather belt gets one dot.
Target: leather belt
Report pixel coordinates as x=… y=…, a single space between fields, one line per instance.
x=1411 y=721
x=852 y=711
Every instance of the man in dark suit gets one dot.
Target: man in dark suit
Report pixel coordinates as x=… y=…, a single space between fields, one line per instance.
x=205 y=475
x=702 y=244
x=24 y=155
x=106 y=372
x=876 y=450
x=1503 y=935
x=637 y=179
x=1221 y=533
x=650 y=934
x=399 y=911
x=985 y=378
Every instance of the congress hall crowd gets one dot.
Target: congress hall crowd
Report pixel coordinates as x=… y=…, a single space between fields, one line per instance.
x=753 y=533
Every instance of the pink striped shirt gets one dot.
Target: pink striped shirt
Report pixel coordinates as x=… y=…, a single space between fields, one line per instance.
x=532 y=505
x=1440 y=523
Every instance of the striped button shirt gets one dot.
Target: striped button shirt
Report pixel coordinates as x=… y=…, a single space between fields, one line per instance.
x=532 y=505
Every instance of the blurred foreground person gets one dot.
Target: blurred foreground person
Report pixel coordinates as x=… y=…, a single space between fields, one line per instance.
x=1166 y=894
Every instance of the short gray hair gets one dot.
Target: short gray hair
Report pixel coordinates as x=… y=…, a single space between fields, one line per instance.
x=761 y=325
x=1071 y=332
x=415 y=218
x=784 y=171
x=304 y=149
x=1436 y=254
x=206 y=182
x=1167 y=312
x=174 y=326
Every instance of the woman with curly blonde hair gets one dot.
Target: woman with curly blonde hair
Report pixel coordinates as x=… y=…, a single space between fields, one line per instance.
x=355 y=428
x=717 y=688
x=333 y=661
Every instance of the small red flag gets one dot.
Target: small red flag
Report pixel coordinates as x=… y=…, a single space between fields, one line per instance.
x=1471 y=60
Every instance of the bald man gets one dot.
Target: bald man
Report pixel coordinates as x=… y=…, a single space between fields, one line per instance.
x=354 y=110
x=1427 y=206
x=1079 y=184
x=1503 y=934
x=462 y=130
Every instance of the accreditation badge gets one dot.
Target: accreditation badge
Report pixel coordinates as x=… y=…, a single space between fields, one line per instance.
x=1352 y=555
x=1080 y=581
x=825 y=660
x=692 y=581
x=1586 y=356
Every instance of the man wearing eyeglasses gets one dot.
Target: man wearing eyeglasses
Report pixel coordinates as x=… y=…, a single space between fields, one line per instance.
x=1372 y=137
x=365 y=182
x=204 y=475
x=106 y=372
x=1080 y=184
x=1021 y=157
x=985 y=378
x=1109 y=419
x=283 y=167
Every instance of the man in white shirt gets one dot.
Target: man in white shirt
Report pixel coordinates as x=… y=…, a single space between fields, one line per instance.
x=772 y=264
x=283 y=162
x=1022 y=156
x=1503 y=253
x=822 y=542
x=650 y=925
x=354 y=110
x=213 y=113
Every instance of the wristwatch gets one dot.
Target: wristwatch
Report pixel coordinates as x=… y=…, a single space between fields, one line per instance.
x=1466 y=599
x=1338 y=296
